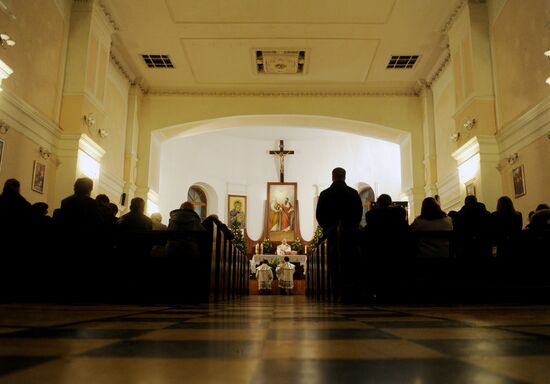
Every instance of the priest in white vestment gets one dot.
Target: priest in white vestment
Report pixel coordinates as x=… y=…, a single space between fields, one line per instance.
x=264 y=275
x=285 y=274
x=283 y=248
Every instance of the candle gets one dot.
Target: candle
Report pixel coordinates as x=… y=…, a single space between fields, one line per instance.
x=256 y=248
x=305 y=249
x=261 y=249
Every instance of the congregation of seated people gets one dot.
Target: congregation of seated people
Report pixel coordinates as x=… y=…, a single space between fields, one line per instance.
x=478 y=232
x=91 y=226
x=84 y=251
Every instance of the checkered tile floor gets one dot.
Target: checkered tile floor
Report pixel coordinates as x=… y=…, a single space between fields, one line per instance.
x=272 y=339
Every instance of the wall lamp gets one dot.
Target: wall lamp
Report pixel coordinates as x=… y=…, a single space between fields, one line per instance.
x=513 y=158
x=469 y=124
x=454 y=137
x=44 y=153
x=103 y=133
x=6 y=40
x=4 y=128
x=89 y=120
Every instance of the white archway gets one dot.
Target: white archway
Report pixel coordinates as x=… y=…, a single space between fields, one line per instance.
x=262 y=125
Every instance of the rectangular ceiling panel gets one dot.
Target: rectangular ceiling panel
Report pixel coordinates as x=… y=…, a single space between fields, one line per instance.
x=234 y=60
x=281 y=11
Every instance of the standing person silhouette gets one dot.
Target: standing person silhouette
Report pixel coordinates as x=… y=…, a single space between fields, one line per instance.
x=339 y=212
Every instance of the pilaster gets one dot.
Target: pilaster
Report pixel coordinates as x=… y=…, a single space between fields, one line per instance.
x=477 y=162
x=430 y=151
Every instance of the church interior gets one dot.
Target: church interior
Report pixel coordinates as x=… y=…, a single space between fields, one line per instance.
x=243 y=109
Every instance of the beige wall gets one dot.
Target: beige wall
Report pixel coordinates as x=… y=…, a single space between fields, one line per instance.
x=444 y=107
x=38 y=55
x=520 y=37
x=535 y=159
x=116 y=108
x=18 y=159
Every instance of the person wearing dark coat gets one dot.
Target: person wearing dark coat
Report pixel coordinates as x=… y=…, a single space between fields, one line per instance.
x=184 y=252
x=135 y=220
x=132 y=242
x=15 y=210
x=107 y=215
x=15 y=217
x=506 y=224
x=471 y=225
x=185 y=219
x=385 y=243
x=79 y=213
x=339 y=205
x=539 y=224
x=540 y=220
x=339 y=212
x=386 y=217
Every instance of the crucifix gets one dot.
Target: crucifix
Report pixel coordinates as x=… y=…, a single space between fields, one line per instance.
x=281 y=153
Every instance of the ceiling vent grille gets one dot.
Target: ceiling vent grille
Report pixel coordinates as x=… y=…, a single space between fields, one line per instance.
x=402 y=61
x=280 y=62
x=157 y=61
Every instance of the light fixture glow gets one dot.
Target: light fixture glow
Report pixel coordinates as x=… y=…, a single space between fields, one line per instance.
x=547 y=53
x=6 y=40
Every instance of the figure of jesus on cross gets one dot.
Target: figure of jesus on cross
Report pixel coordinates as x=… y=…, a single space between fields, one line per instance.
x=281 y=153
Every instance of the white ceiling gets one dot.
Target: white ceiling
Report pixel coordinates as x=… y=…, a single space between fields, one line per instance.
x=212 y=43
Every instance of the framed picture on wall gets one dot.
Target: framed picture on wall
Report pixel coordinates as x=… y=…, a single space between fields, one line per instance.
x=236 y=210
x=519 y=181
x=38 y=175
x=470 y=187
x=281 y=211
x=1 y=152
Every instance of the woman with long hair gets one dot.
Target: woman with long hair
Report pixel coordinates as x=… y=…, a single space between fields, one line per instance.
x=506 y=224
x=432 y=218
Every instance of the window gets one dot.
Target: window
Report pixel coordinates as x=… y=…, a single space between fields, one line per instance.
x=197 y=197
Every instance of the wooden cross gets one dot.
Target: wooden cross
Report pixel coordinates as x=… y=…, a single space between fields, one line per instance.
x=281 y=153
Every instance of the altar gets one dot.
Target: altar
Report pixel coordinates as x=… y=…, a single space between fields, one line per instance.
x=255 y=261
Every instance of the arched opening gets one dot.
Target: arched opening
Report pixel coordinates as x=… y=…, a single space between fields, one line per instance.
x=197 y=197
x=240 y=145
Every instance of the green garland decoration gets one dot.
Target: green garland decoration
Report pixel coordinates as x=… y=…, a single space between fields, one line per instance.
x=238 y=239
x=316 y=236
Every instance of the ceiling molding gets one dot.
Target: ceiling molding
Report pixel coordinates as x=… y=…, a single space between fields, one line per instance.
x=108 y=16
x=410 y=93
x=452 y=18
x=442 y=65
x=121 y=68
x=128 y=75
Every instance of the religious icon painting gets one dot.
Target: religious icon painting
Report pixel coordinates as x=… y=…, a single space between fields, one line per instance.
x=38 y=176
x=236 y=211
x=281 y=211
x=519 y=181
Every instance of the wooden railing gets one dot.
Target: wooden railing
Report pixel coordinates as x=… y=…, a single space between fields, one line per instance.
x=389 y=269
x=111 y=267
